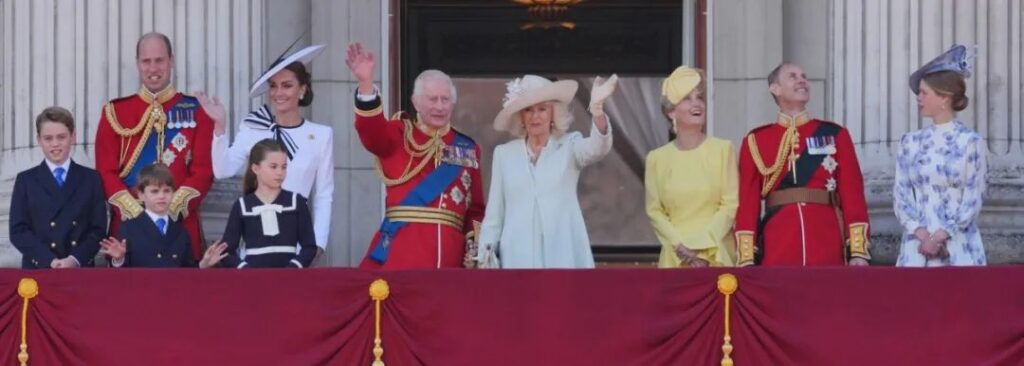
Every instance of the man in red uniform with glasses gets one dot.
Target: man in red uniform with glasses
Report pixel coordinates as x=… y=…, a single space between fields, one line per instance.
x=805 y=172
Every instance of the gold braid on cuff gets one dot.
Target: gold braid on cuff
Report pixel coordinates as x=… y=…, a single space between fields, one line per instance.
x=369 y=113
x=858 y=242
x=180 y=200
x=128 y=205
x=745 y=250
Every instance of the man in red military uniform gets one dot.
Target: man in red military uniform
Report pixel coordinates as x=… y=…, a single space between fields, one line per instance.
x=157 y=124
x=806 y=173
x=432 y=172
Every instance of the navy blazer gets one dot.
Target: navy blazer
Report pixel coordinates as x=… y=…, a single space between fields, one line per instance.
x=148 y=248
x=48 y=222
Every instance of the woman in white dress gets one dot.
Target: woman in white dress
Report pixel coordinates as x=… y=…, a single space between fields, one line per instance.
x=309 y=145
x=940 y=172
x=533 y=217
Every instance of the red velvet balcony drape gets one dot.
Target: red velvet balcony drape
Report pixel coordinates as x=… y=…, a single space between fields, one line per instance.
x=780 y=316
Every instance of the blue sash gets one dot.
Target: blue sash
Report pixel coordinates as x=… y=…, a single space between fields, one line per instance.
x=178 y=117
x=425 y=192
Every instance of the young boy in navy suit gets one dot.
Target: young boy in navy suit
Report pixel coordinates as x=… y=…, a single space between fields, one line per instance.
x=153 y=240
x=58 y=211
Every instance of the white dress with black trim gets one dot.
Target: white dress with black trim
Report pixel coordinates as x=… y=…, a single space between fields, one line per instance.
x=270 y=232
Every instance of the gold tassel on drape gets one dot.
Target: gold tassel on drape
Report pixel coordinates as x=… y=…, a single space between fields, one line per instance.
x=727 y=285
x=379 y=291
x=27 y=289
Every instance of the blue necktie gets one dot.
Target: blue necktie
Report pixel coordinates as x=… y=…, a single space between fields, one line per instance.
x=59 y=175
x=161 y=224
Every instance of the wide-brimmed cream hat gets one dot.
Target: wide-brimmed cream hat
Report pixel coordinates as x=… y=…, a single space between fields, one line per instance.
x=305 y=56
x=532 y=89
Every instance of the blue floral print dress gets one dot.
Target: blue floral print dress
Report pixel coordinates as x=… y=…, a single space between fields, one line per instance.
x=940 y=184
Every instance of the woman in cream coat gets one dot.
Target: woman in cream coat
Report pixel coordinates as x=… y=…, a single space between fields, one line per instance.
x=533 y=217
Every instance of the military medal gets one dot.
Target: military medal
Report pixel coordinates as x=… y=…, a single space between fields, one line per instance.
x=829 y=164
x=179 y=142
x=466 y=179
x=474 y=162
x=172 y=119
x=457 y=195
x=830 y=184
x=168 y=157
x=821 y=145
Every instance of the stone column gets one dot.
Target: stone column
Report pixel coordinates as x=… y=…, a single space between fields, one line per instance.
x=358 y=195
x=746 y=43
x=875 y=45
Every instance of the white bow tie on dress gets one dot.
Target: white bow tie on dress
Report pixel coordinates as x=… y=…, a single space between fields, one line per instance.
x=268 y=217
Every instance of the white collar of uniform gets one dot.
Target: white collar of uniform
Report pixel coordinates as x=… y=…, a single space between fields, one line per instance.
x=66 y=165
x=154 y=217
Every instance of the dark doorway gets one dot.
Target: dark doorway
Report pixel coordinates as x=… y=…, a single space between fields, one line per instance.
x=502 y=37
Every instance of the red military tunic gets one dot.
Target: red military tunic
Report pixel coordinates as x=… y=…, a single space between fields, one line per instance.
x=129 y=138
x=434 y=237
x=800 y=233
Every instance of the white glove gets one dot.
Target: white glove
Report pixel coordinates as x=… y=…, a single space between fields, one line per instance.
x=487 y=257
x=601 y=91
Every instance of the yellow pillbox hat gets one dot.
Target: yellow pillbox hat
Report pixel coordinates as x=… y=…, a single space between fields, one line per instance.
x=680 y=83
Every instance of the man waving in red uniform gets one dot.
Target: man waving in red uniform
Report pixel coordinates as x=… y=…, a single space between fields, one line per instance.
x=156 y=125
x=432 y=173
x=806 y=173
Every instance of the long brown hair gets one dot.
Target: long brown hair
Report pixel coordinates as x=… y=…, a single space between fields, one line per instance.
x=304 y=80
x=256 y=155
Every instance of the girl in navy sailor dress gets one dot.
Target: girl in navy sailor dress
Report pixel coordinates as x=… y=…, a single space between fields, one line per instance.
x=275 y=224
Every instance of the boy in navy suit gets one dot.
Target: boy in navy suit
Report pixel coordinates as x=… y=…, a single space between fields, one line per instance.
x=153 y=240
x=58 y=212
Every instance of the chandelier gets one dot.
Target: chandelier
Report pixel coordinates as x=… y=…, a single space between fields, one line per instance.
x=546 y=14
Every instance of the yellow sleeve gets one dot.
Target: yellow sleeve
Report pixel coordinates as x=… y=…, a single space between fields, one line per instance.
x=656 y=210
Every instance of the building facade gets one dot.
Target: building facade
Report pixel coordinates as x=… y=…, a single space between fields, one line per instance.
x=857 y=53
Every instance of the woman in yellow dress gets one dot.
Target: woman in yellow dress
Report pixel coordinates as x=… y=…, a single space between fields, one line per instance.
x=691 y=182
